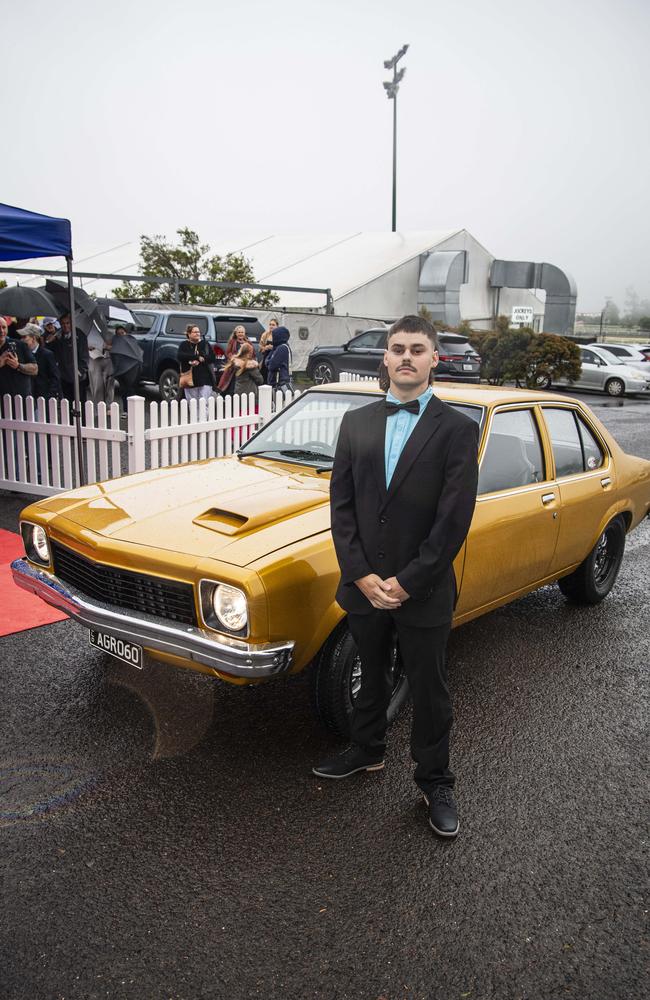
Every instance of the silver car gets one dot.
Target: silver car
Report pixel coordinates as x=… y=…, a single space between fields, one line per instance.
x=629 y=354
x=604 y=372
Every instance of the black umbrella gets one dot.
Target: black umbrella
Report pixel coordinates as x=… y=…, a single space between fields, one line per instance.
x=21 y=301
x=88 y=316
x=126 y=353
x=115 y=312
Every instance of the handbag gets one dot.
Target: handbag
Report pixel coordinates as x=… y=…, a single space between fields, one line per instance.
x=186 y=379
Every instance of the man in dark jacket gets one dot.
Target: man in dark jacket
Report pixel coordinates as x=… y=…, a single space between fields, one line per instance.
x=46 y=383
x=278 y=365
x=403 y=490
x=62 y=350
x=17 y=365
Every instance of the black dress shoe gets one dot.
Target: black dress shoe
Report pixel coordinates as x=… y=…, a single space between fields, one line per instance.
x=349 y=762
x=443 y=811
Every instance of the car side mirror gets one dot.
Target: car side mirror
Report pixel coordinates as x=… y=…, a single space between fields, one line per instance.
x=346 y=346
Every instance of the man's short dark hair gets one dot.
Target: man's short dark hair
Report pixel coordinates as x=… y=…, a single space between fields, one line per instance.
x=415 y=324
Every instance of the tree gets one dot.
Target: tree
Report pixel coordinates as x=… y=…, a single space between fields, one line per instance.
x=611 y=312
x=526 y=357
x=193 y=259
x=644 y=323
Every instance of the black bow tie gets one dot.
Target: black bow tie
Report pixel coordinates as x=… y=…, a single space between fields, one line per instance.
x=412 y=407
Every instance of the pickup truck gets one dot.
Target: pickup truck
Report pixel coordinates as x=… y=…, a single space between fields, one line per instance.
x=160 y=332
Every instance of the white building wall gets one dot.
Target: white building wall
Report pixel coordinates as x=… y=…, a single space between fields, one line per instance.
x=387 y=297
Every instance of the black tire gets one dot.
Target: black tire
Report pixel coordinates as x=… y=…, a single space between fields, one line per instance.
x=168 y=384
x=595 y=577
x=334 y=678
x=323 y=372
x=615 y=387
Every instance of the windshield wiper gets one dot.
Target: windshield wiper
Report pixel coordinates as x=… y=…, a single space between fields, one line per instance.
x=289 y=452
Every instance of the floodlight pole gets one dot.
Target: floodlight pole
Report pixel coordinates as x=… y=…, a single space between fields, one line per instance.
x=391 y=87
x=76 y=411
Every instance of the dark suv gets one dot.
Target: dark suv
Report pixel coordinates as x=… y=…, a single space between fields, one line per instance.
x=160 y=332
x=363 y=355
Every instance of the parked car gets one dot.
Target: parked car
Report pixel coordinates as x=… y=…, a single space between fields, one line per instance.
x=604 y=372
x=227 y=566
x=160 y=332
x=645 y=350
x=363 y=355
x=629 y=354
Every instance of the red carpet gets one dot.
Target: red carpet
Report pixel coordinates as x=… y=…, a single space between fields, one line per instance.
x=18 y=609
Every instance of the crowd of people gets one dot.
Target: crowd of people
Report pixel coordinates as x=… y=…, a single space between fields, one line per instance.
x=37 y=359
x=246 y=368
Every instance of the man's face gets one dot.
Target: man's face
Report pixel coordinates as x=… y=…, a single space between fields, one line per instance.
x=32 y=342
x=409 y=358
x=49 y=328
x=65 y=324
x=4 y=329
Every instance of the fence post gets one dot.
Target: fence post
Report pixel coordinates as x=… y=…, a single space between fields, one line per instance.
x=135 y=432
x=265 y=403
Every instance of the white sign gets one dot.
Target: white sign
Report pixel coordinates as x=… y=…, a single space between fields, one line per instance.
x=522 y=315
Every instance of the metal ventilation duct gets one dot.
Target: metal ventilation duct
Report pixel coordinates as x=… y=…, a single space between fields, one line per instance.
x=560 y=288
x=441 y=276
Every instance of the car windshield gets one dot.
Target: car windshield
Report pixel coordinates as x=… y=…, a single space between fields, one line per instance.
x=306 y=432
x=609 y=358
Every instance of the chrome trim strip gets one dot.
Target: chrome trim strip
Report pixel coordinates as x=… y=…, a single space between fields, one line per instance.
x=220 y=652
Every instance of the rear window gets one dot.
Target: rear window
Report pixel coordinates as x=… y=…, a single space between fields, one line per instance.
x=224 y=326
x=144 y=321
x=176 y=324
x=454 y=345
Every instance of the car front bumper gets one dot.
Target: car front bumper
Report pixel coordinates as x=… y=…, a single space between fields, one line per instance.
x=220 y=652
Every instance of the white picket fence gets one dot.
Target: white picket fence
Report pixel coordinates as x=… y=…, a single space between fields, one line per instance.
x=38 y=449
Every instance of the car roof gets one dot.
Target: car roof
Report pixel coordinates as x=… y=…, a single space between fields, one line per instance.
x=458 y=392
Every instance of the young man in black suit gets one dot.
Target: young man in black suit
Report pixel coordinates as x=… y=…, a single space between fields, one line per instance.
x=403 y=491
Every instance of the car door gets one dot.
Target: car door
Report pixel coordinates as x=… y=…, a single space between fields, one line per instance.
x=364 y=353
x=591 y=377
x=585 y=478
x=514 y=531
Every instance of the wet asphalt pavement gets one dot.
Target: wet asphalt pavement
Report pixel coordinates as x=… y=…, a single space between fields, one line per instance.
x=162 y=836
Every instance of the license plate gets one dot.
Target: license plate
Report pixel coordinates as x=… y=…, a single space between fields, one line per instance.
x=468 y=368
x=128 y=652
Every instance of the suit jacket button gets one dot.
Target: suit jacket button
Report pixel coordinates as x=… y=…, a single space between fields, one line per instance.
x=381 y=554
x=382 y=520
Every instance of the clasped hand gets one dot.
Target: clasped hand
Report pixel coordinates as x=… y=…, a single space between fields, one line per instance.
x=386 y=595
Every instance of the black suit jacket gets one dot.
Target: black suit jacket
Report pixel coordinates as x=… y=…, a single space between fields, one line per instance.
x=47 y=383
x=414 y=529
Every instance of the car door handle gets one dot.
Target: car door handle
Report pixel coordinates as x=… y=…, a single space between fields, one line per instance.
x=605 y=482
x=548 y=497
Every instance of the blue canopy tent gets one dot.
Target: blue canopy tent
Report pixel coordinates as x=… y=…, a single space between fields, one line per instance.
x=24 y=235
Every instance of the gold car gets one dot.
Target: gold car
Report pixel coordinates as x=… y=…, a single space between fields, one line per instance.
x=227 y=566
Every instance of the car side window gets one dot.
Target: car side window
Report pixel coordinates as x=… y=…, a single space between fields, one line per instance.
x=176 y=324
x=593 y=455
x=588 y=358
x=373 y=338
x=620 y=352
x=513 y=456
x=574 y=446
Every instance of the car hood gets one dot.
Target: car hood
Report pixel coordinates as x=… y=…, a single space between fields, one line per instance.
x=223 y=509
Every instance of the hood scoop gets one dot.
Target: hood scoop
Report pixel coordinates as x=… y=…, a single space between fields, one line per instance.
x=262 y=509
x=225 y=521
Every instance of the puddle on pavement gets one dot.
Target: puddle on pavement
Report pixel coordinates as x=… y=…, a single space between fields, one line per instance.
x=180 y=703
x=34 y=788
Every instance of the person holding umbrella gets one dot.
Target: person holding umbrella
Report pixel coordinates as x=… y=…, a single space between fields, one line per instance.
x=62 y=350
x=126 y=355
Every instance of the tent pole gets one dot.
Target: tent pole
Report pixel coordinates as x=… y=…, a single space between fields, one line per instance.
x=81 y=470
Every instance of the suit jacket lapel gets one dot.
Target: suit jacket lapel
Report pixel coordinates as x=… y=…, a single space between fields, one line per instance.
x=425 y=428
x=376 y=428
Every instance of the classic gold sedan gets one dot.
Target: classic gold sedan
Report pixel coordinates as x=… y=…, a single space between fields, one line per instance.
x=227 y=566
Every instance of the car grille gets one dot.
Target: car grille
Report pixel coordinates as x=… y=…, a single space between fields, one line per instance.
x=151 y=594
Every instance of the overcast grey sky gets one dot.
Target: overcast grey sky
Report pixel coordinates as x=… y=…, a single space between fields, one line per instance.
x=524 y=122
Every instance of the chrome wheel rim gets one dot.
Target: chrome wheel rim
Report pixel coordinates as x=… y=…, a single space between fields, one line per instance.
x=605 y=557
x=323 y=374
x=615 y=387
x=355 y=673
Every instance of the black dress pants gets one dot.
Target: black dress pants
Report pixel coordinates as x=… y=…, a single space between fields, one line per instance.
x=423 y=652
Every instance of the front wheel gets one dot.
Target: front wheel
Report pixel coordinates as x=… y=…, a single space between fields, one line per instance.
x=168 y=385
x=595 y=577
x=323 y=372
x=336 y=681
x=615 y=387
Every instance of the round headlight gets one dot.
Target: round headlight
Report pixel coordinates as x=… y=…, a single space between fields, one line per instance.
x=230 y=607
x=39 y=541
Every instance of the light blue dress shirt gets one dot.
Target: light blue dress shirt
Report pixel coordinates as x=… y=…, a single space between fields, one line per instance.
x=399 y=428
